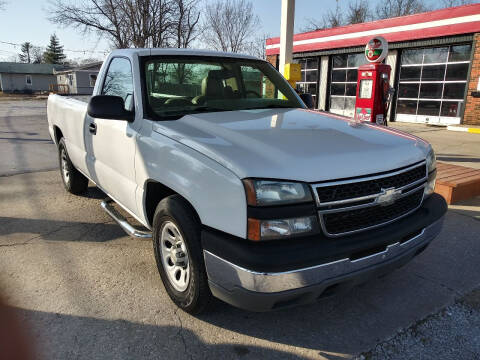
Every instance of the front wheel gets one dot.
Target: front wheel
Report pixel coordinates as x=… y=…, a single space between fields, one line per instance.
x=73 y=180
x=178 y=253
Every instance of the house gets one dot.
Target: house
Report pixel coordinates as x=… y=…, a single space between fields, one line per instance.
x=27 y=78
x=79 y=80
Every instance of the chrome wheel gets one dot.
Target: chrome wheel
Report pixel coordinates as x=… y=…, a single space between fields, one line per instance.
x=174 y=255
x=64 y=165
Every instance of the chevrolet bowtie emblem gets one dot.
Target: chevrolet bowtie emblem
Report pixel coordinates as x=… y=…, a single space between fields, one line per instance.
x=388 y=196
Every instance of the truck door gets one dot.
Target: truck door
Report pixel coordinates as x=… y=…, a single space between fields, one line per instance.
x=110 y=143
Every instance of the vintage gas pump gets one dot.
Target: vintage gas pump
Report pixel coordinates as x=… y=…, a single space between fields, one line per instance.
x=373 y=84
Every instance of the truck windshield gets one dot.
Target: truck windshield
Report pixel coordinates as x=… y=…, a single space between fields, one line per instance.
x=178 y=86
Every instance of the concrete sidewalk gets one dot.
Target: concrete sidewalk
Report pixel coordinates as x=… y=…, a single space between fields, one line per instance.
x=450 y=146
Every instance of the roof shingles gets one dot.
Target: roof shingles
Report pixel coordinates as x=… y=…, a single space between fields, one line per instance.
x=22 y=68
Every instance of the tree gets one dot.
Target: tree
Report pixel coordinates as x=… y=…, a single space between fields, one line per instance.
x=132 y=23
x=452 y=3
x=257 y=47
x=331 y=19
x=187 y=18
x=393 y=8
x=36 y=55
x=358 y=12
x=26 y=53
x=229 y=25
x=54 y=53
x=2 y=4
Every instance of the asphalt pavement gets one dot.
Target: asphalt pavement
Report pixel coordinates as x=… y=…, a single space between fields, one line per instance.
x=25 y=144
x=87 y=291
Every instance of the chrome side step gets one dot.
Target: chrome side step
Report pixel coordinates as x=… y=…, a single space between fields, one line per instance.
x=131 y=230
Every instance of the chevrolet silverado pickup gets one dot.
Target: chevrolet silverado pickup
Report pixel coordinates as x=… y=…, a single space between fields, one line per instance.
x=248 y=196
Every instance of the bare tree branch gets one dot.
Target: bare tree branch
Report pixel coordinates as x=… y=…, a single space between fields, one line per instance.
x=452 y=3
x=229 y=25
x=131 y=23
x=331 y=19
x=358 y=12
x=393 y=8
x=188 y=17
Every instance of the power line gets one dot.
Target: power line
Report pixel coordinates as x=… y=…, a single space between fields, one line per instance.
x=104 y=52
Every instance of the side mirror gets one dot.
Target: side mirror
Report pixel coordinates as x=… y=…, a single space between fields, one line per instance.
x=308 y=100
x=109 y=107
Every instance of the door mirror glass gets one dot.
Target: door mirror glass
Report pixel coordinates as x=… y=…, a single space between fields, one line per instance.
x=308 y=100
x=109 y=107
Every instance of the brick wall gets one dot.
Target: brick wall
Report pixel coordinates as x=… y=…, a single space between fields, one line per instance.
x=471 y=115
x=272 y=59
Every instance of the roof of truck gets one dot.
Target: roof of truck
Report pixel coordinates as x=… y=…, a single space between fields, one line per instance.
x=175 y=51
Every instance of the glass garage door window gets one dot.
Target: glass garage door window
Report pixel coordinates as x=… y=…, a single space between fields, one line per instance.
x=343 y=83
x=309 y=81
x=431 y=87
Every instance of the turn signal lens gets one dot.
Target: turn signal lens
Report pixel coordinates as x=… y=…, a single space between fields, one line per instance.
x=254 y=229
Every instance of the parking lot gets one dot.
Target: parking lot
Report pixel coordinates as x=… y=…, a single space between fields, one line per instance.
x=86 y=290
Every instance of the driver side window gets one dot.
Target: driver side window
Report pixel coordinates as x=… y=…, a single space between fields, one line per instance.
x=119 y=81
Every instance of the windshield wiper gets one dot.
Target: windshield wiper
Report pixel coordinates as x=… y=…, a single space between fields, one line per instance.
x=174 y=115
x=271 y=106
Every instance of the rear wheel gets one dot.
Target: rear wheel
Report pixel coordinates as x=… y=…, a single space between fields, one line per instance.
x=178 y=252
x=73 y=180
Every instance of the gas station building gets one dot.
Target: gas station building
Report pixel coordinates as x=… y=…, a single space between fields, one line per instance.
x=434 y=56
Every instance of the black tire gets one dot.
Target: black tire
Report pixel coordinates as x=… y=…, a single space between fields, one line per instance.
x=72 y=179
x=197 y=296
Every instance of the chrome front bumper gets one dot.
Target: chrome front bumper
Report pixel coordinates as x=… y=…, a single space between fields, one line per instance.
x=227 y=278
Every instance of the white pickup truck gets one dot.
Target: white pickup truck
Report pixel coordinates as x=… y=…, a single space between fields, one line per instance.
x=248 y=195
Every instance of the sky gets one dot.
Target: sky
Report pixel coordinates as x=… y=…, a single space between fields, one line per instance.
x=27 y=20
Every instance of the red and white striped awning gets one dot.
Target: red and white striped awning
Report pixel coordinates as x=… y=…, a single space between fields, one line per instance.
x=445 y=22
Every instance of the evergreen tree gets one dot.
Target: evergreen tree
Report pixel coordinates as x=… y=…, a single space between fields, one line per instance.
x=26 y=53
x=54 y=53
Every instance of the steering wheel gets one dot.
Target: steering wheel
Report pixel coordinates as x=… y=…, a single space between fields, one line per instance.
x=253 y=92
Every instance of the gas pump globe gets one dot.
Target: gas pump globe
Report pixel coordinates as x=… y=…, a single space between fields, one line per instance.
x=373 y=84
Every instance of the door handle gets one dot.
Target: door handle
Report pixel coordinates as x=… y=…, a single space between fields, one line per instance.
x=92 y=128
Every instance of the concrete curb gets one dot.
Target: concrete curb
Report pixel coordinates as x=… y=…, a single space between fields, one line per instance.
x=464 y=129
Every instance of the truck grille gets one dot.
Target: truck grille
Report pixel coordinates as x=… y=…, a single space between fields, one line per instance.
x=369 y=187
x=348 y=221
x=356 y=205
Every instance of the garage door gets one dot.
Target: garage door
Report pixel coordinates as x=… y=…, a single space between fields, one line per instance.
x=310 y=73
x=432 y=82
x=343 y=82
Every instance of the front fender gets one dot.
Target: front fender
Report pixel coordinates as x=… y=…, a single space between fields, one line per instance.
x=215 y=192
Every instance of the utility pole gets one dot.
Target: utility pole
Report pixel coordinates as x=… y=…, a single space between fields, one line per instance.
x=286 y=33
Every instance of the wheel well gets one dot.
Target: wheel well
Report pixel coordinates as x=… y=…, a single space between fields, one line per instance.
x=156 y=192
x=58 y=134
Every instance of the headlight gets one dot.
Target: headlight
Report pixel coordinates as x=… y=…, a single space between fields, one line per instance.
x=268 y=192
x=281 y=228
x=268 y=221
x=432 y=173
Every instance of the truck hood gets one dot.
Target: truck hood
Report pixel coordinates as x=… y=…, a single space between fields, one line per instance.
x=294 y=144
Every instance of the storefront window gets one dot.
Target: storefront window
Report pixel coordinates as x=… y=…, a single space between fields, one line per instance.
x=343 y=83
x=432 y=84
